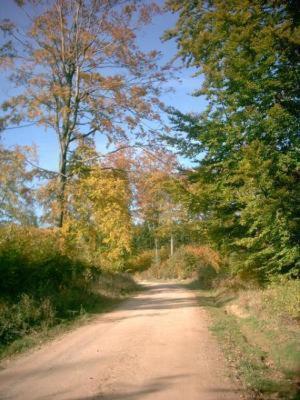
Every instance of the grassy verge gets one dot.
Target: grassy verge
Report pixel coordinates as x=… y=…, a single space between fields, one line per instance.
x=104 y=295
x=262 y=345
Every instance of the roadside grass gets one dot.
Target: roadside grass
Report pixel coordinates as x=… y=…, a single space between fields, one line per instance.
x=262 y=347
x=106 y=293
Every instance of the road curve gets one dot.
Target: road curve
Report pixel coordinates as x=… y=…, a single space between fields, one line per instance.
x=155 y=346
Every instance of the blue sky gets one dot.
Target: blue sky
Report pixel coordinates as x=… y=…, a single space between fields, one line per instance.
x=148 y=39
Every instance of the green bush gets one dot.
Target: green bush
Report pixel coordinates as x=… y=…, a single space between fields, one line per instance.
x=199 y=262
x=180 y=266
x=282 y=297
x=20 y=318
x=43 y=282
x=39 y=283
x=278 y=301
x=113 y=285
x=32 y=261
x=141 y=261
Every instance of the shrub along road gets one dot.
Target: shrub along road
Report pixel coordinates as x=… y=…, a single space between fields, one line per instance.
x=154 y=346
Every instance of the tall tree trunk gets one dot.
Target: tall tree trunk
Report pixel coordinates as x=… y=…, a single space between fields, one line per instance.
x=62 y=181
x=156 y=251
x=172 y=245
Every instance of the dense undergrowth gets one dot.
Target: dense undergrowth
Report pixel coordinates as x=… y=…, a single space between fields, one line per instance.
x=42 y=287
x=188 y=261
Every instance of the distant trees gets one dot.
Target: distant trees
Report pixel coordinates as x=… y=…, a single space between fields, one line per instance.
x=156 y=181
x=79 y=71
x=247 y=187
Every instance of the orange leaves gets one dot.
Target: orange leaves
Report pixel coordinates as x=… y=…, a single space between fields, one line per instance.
x=60 y=91
x=106 y=124
x=154 y=171
x=38 y=80
x=33 y=113
x=132 y=122
x=138 y=91
x=113 y=83
x=129 y=9
x=147 y=11
x=122 y=33
x=206 y=254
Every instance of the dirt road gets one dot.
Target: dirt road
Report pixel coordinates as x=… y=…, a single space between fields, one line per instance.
x=155 y=346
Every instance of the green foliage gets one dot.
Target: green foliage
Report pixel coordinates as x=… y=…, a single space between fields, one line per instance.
x=38 y=280
x=199 y=262
x=181 y=266
x=141 y=262
x=32 y=260
x=41 y=285
x=143 y=237
x=19 y=319
x=282 y=297
x=247 y=186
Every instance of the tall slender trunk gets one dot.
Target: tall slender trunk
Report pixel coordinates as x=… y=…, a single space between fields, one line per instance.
x=156 y=251
x=172 y=245
x=62 y=181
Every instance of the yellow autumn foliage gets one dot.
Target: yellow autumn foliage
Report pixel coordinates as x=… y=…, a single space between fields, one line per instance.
x=98 y=218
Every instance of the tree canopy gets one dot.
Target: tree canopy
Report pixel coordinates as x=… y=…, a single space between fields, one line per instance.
x=247 y=185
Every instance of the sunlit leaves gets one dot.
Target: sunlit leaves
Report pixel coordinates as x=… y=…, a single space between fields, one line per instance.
x=98 y=218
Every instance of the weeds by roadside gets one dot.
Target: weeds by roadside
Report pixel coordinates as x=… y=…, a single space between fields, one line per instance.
x=45 y=287
x=261 y=340
x=29 y=322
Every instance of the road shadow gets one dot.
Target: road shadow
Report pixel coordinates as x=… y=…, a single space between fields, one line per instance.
x=154 y=298
x=205 y=297
x=157 y=287
x=217 y=301
x=155 y=387
x=161 y=303
x=149 y=303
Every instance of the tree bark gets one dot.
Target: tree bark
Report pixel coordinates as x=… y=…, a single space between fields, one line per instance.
x=62 y=181
x=172 y=246
x=156 y=251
